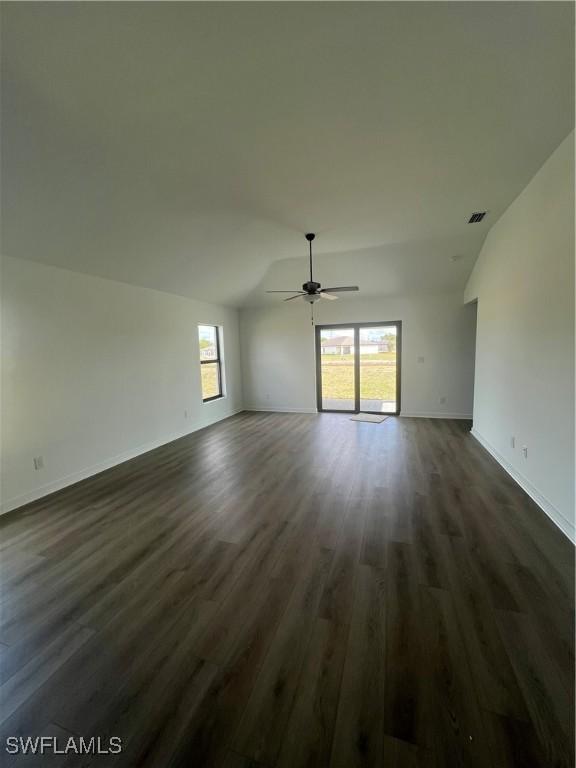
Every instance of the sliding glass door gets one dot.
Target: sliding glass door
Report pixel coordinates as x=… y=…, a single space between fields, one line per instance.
x=337 y=370
x=358 y=367
x=378 y=350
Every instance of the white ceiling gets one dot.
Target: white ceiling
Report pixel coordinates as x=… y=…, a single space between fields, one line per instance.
x=188 y=146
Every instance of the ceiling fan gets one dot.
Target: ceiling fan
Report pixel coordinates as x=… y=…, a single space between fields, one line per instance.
x=312 y=291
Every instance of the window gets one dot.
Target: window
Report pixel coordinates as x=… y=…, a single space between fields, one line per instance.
x=210 y=362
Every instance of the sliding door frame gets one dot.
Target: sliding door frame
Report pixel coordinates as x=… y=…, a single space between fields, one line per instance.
x=356 y=329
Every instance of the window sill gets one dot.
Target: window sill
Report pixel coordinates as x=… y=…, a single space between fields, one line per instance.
x=213 y=399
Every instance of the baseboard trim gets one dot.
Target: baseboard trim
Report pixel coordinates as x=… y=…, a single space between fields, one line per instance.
x=545 y=505
x=410 y=414
x=435 y=415
x=83 y=474
x=257 y=409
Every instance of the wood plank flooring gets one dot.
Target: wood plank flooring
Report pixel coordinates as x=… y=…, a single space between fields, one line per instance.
x=292 y=590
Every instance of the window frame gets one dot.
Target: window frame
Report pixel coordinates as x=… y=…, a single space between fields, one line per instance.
x=217 y=360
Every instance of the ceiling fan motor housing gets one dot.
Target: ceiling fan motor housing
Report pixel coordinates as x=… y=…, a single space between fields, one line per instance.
x=311 y=287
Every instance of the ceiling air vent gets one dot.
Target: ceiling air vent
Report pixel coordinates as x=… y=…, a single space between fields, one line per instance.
x=476 y=217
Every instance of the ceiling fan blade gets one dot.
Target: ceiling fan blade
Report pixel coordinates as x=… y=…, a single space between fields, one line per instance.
x=341 y=288
x=325 y=295
x=292 y=291
x=294 y=297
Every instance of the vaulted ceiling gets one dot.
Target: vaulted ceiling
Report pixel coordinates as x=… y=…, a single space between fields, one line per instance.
x=188 y=146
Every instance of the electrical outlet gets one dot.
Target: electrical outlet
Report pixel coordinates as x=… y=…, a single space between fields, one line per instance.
x=525 y=451
x=38 y=462
x=513 y=442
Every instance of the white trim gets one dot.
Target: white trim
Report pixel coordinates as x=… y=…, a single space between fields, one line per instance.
x=435 y=415
x=411 y=414
x=280 y=409
x=95 y=469
x=545 y=505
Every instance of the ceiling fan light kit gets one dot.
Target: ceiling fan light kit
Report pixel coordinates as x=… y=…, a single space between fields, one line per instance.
x=312 y=291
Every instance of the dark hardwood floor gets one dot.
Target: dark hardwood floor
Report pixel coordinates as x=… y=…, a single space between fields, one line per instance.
x=293 y=590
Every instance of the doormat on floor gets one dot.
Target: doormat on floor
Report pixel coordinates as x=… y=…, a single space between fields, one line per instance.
x=372 y=417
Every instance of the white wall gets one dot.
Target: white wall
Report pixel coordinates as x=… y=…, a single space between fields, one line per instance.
x=524 y=387
x=96 y=371
x=278 y=358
